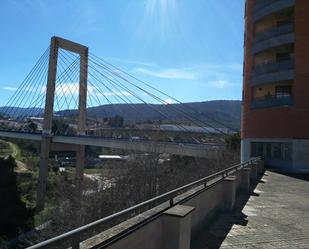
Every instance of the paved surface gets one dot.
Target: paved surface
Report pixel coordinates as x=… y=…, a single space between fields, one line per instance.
x=276 y=215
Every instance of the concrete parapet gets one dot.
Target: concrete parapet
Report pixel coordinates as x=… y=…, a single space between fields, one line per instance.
x=238 y=180
x=261 y=166
x=254 y=171
x=229 y=193
x=177 y=227
x=245 y=179
x=174 y=226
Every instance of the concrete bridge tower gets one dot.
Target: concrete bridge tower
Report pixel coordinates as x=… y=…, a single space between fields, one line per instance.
x=47 y=144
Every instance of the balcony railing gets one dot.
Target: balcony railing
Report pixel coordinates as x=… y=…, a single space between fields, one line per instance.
x=273 y=67
x=260 y=4
x=265 y=8
x=271 y=101
x=275 y=41
x=273 y=32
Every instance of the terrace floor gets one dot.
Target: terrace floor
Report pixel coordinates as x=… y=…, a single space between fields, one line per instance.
x=275 y=215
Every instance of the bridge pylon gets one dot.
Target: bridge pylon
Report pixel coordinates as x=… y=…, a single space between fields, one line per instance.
x=47 y=143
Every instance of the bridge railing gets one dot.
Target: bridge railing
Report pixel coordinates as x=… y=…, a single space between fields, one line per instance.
x=82 y=233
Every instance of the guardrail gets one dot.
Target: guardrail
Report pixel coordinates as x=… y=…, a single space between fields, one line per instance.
x=78 y=235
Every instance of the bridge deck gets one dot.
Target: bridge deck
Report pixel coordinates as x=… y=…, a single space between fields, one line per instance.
x=276 y=215
x=209 y=150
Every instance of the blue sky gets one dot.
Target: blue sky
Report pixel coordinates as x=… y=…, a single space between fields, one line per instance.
x=191 y=49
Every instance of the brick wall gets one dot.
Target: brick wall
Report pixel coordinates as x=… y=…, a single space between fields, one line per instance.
x=280 y=122
x=301 y=89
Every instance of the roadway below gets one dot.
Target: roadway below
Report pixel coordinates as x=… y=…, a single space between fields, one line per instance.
x=276 y=215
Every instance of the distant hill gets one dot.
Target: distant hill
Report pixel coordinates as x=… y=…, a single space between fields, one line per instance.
x=15 y=112
x=226 y=112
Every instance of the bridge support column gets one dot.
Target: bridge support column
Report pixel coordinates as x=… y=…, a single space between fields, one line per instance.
x=82 y=107
x=229 y=185
x=245 y=179
x=80 y=162
x=47 y=125
x=43 y=171
x=177 y=227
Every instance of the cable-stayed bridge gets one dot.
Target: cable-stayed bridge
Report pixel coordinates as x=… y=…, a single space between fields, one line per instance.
x=62 y=89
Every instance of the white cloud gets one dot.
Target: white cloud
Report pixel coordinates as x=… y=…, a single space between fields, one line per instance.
x=71 y=88
x=169 y=101
x=67 y=89
x=221 y=83
x=170 y=73
x=9 y=88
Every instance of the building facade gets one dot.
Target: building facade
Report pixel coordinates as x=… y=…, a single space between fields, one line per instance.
x=275 y=111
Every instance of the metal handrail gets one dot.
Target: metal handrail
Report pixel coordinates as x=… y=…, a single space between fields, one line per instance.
x=76 y=233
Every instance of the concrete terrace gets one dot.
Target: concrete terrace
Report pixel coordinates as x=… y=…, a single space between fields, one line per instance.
x=275 y=215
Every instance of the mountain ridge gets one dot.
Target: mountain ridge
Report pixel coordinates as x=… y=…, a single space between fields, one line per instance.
x=226 y=112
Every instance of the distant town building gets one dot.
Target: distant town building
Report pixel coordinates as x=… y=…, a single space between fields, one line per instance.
x=189 y=128
x=275 y=112
x=10 y=124
x=38 y=121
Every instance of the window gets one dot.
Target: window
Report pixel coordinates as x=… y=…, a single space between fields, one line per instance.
x=268 y=150
x=283 y=91
x=284 y=22
x=272 y=151
x=286 y=151
x=276 y=151
x=283 y=56
x=257 y=149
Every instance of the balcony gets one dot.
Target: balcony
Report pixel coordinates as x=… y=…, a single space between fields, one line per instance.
x=265 y=8
x=273 y=32
x=274 y=37
x=272 y=77
x=273 y=67
x=271 y=101
x=260 y=4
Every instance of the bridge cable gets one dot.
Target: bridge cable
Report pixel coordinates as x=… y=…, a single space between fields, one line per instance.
x=133 y=94
x=23 y=90
x=164 y=102
x=167 y=95
x=116 y=96
x=25 y=81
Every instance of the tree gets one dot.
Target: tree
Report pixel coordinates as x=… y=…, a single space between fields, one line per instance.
x=233 y=141
x=31 y=126
x=116 y=121
x=61 y=127
x=14 y=216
